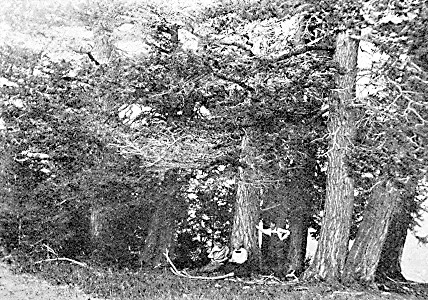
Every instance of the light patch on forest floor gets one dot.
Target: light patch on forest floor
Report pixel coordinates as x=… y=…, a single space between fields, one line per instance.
x=23 y=287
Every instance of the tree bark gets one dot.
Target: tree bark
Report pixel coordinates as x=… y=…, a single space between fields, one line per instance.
x=298 y=240
x=96 y=224
x=161 y=236
x=364 y=255
x=104 y=49
x=247 y=206
x=5 y=186
x=332 y=248
x=278 y=249
x=299 y=203
x=6 y=161
x=99 y=229
x=162 y=230
x=389 y=266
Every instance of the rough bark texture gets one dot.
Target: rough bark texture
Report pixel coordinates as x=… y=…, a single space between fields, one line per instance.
x=99 y=229
x=389 y=266
x=299 y=216
x=298 y=240
x=364 y=255
x=5 y=187
x=162 y=229
x=247 y=206
x=161 y=236
x=96 y=223
x=6 y=161
x=299 y=205
x=103 y=50
x=332 y=248
x=278 y=249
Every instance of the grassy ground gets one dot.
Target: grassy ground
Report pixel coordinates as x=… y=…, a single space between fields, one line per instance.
x=162 y=284
x=25 y=286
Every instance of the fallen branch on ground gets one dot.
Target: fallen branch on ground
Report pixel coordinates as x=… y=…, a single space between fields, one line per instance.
x=266 y=280
x=63 y=259
x=185 y=274
x=175 y=271
x=228 y=276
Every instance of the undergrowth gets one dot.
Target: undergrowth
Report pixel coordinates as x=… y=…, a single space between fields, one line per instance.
x=162 y=284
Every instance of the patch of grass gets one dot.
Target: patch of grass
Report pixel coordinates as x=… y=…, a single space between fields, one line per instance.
x=162 y=284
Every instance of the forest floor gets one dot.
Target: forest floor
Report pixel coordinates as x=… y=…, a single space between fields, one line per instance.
x=162 y=284
x=24 y=286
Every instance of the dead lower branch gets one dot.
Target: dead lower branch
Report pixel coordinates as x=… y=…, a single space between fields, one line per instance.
x=162 y=149
x=301 y=50
x=63 y=259
x=234 y=80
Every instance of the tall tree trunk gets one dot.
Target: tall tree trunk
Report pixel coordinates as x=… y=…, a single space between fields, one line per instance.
x=299 y=214
x=104 y=49
x=299 y=205
x=5 y=163
x=99 y=229
x=5 y=159
x=247 y=206
x=364 y=255
x=161 y=236
x=5 y=186
x=334 y=239
x=299 y=224
x=162 y=230
x=278 y=249
x=389 y=265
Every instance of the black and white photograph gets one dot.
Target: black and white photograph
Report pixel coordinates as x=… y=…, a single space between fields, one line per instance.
x=213 y=149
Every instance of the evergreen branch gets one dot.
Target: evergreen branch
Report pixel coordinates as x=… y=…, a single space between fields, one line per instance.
x=92 y=58
x=240 y=46
x=301 y=50
x=227 y=78
x=236 y=81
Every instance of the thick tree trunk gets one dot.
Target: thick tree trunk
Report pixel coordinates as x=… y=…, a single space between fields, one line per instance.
x=333 y=244
x=161 y=236
x=247 y=206
x=162 y=230
x=278 y=249
x=99 y=230
x=364 y=255
x=389 y=266
x=298 y=240
x=299 y=205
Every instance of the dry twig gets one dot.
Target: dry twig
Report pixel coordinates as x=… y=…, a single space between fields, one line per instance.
x=175 y=271
x=63 y=259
